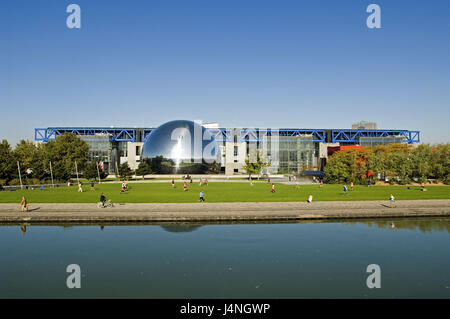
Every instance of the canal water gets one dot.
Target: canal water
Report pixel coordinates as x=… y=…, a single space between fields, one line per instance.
x=299 y=260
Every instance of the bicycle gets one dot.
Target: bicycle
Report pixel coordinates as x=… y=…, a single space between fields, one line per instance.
x=107 y=204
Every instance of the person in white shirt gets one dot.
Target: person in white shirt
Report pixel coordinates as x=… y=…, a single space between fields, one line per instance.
x=392 y=201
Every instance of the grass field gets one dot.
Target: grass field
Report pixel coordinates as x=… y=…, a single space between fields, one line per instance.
x=219 y=192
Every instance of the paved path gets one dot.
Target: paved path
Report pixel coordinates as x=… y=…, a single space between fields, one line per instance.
x=251 y=211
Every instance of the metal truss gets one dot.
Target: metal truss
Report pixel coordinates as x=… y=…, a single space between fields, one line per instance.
x=115 y=134
x=353 y=136
x=222 y=134
x=146 y=133
x=256 y=135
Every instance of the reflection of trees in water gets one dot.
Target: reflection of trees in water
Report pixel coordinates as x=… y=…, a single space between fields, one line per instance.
x=180 y=228
x=424 y=225
x=163 y=165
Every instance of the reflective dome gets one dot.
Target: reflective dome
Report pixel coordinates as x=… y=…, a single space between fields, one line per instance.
x=181 y=147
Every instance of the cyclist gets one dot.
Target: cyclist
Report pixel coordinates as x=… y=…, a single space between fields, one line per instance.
x=103 y=200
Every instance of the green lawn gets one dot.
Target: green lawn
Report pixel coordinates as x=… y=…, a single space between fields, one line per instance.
x=219 y=192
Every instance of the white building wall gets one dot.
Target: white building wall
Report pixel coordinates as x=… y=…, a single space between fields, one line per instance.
x=133 y=159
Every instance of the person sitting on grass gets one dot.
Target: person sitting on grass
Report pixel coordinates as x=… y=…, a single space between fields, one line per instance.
x=103 y=200
x=202 y=199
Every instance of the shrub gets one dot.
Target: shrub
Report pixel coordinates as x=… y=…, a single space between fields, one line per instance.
x=14 y=182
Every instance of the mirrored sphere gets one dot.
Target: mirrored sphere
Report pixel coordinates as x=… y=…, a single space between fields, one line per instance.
x=182 y=147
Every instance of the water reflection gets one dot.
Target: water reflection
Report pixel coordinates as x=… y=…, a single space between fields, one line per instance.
x=230 y=261
x=180 y=228
x=425 y=225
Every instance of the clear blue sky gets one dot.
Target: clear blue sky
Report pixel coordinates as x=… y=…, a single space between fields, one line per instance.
x=253 y=63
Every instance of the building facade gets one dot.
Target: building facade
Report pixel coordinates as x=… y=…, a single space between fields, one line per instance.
x=286 y=151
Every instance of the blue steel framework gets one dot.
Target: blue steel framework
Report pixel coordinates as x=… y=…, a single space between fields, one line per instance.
x=145 y=134
x=352 y=136
x=222 y=134
x=251 y=135
x=116 y=134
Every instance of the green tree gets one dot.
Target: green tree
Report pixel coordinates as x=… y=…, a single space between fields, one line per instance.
x=337 y=169
x=254 y=164
x=125 y=171
x=31 y=161
x=377 y=161
x=143 y=169
x=399 y=165
x=440 y=163
x=90 y=171
x=63 y=152
x=421 y=162
x=8 y=168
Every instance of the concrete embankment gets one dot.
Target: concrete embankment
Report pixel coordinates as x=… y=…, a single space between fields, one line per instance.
x=210 y=212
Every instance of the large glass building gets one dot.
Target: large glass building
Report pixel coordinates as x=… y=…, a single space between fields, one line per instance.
x=187 y=147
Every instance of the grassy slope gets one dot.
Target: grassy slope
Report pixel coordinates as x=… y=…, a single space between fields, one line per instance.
x=220 y=192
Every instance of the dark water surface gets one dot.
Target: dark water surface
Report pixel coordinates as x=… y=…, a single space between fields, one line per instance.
x=303 y=260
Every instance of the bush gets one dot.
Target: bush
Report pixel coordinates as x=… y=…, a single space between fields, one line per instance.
x=14 y=182
x=33 y=181
x=404 y=180
x=422 y=180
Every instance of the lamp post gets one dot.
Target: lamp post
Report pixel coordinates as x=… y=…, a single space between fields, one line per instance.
x=20 y=176
x=51 y=173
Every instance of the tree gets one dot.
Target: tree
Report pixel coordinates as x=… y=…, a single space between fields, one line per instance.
x=90 y=171
x=337 y=169
x=254 y=164
x=125 y=171
x=63 y=152
x=376 y=161
x=143 y=169
x=421 y=162
x=399 y=165
x=30 y=157
x=8 y=168
x=440 y=163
